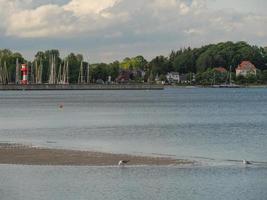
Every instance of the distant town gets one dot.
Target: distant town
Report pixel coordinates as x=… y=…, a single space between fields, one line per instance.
x=215 y=64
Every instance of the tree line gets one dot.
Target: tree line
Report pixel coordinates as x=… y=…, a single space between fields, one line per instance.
x=200 y=61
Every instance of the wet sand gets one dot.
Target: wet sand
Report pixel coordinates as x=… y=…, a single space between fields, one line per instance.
x=27 y=155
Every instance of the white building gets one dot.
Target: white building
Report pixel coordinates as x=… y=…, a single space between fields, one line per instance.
x=173 y=77
x=246 y=68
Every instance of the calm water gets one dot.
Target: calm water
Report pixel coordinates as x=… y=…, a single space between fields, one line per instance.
x=209 y=125
x=146 y=183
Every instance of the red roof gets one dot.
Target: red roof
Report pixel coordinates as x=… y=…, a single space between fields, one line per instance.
x=246 y=65
x=220 y=69
x=124 y=76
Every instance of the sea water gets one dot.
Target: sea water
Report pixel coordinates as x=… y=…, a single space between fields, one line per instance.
x=133 y=183
x=216 y=127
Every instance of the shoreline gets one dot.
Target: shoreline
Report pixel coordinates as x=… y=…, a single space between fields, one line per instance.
x=16 y=154
x=216 y=87
x=47 y=87
x=41 y=87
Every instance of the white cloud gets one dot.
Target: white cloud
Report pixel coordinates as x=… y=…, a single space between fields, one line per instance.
x=79 y=17
x=193 y=31
x=48 y=20
x=145 y=24
x=85 y=7
x=52 y=20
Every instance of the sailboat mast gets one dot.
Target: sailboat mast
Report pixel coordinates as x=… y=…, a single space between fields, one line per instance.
x=17 y=71
x=67 y=72
x=54 y=69
x=230 y=75
x=6 y=76
x=1 y=72
x=64 y=73
x=88 y=74
x=41 y=73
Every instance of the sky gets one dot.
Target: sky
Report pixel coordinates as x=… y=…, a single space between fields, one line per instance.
x=108 y=30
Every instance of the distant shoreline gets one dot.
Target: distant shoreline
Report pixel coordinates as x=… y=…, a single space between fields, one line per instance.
x=42 y=87
x=16 y=154
x=210 y=86
x=82 y=87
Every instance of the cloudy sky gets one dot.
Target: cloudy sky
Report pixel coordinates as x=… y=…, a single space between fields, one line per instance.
x=107 y=30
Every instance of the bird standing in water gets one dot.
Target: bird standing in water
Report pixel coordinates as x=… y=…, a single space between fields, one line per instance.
x=245 y=162
x=61 y=106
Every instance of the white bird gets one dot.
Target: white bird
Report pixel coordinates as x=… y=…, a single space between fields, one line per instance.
x=123 y=162
x=245 y=162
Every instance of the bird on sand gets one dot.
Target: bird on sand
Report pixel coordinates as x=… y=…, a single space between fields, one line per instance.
x=123 y=162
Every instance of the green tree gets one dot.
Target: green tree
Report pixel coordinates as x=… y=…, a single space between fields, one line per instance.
x=159 y=65
x=74 y=66
x=126 y=64
x=263 y=77
x=135 y=63
x=99 y=71
x=185 y=62
x=206 y=78
x=8 y=57
x=113 y=70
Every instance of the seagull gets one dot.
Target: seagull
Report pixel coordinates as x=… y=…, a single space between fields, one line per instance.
x=123 y=162
x=245 y=162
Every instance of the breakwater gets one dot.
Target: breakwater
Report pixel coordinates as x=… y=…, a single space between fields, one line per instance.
x=82 y=87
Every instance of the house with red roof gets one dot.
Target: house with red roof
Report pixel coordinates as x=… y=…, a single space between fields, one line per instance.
x=246 y=68
x=220 y=70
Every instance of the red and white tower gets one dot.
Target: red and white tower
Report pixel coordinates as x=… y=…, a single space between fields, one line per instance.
x=24 y=71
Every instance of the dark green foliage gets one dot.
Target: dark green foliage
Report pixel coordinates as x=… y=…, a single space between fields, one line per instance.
x=99 y=71
x=200 y=61
x=159 y=65
x=220 y=55
x=8 y=57
x=45 y=59
x=263 y=77
x=185 y=62
x=205 y=78
x=74 y=66
x=113 y=70
x=103 y=71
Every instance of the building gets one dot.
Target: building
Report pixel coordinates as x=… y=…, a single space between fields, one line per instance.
x=139 y=73
x=173 y=77
x=184 y=78
x=246 y=68
x=124 y=76
x=220 y=70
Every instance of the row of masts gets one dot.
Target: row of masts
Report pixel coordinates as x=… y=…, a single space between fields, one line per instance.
x=57 y=75
x=4 y=75
x=63 y=73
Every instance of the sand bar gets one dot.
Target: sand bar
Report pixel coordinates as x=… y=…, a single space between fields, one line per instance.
x=27 y=155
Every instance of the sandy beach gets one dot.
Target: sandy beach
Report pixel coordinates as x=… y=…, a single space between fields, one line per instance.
x=27 y=155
